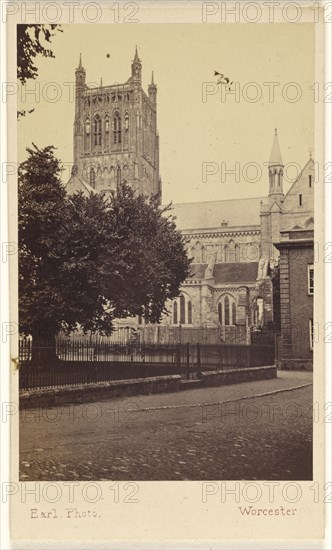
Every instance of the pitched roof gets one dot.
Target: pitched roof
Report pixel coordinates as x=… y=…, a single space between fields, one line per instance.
x=245 y=272
x=75 y=183
x=210 y=215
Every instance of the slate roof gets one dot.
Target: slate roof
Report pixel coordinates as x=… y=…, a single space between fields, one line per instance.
x=210 y=215
x=245 y=272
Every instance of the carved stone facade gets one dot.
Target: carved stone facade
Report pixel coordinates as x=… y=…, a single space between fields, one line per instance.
x=115 y=135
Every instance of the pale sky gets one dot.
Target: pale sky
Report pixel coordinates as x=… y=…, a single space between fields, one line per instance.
x=192 y=132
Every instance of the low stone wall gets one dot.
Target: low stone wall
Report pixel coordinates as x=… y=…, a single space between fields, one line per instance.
x=55 y=396
x=235 y=376
x=66 y=395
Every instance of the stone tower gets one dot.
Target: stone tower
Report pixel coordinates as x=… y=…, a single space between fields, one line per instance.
x=115 y=133
x=271 y=213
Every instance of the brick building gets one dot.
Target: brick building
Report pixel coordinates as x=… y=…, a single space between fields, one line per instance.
x=296 y=266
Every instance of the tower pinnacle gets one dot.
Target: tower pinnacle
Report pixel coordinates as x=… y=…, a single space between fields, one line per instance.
x=276 y=167
x=136 y=58
x=136 y=68
x=275 y=158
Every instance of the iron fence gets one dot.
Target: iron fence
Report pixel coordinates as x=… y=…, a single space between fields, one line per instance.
x=83 y=362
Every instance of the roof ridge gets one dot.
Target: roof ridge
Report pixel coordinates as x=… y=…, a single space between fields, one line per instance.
x=219 y=200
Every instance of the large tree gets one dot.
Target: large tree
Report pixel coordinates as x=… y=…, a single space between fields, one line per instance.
x=85 y=261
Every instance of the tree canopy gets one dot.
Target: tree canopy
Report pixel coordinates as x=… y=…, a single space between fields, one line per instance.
x=84 y=261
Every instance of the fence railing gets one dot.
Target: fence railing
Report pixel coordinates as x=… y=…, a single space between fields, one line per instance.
x=84 y=362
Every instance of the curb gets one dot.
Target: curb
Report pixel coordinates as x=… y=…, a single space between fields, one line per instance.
x=193 y=405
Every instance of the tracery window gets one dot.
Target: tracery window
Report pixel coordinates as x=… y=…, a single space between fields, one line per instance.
x=227 y=310
x=97 y=130
x=117 y=131
x=182 y=310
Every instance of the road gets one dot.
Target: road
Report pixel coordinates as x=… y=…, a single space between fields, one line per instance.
x=203 y=434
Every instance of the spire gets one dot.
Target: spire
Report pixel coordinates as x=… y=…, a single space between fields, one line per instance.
x=80 y=66
x=136 y=68
x=152 y=80
x=136 y=58
x=275 y=158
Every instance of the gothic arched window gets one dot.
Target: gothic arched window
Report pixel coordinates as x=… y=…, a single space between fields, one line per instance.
x=230 y=252
x=190 y=313
x=175 y=313
x=226 y=304
x=182 y=310
x=92 y=178
x=117 y=132
x=97 y=130
x=87 y=126
x=227 y=310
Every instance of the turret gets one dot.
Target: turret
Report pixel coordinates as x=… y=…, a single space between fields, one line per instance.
x=80 y=75
x=276 y=171
x=136 y=68
x=152 y=90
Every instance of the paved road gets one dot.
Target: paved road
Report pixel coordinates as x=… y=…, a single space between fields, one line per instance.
x=193 y=435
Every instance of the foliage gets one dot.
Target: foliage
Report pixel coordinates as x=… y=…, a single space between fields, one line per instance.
x=87 y=260
x=31 y=42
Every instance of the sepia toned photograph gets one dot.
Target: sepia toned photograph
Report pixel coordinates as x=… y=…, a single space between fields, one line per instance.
x=166 y=252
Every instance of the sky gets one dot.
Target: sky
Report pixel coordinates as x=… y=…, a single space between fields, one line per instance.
x=193 y=131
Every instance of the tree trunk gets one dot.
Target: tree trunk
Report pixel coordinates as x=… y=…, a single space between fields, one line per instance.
x=43 y=351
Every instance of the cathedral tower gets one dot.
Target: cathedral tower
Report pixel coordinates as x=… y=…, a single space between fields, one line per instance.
x=115 y=134
x=276 y=172
x=271 y=213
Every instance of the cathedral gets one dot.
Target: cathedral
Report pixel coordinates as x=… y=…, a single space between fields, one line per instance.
x=234 y=281
x=115 y=135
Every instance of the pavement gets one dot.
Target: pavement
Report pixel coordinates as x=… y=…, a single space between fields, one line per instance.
x=253 y=430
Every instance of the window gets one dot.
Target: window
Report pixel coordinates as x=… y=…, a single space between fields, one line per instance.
x=175 y=313
x=97 y=130
x=226 y=304
x=230 y=252
x=87 y=126
x=227 y=310
x=311 y=333
x=117 y=136
x=310 y=181
x=310 y=278
x=182 y=310
x=92 y=178
x=300 y=200
x=190 y=313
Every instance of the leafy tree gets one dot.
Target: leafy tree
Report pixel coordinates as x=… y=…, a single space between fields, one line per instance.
x=84 y=261
x=30 y=39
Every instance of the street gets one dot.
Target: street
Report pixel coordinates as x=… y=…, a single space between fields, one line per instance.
x=201 y=434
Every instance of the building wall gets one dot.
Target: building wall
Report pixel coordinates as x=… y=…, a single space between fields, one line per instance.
x=296 y=215
x=301 y=302
x=296 y=305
